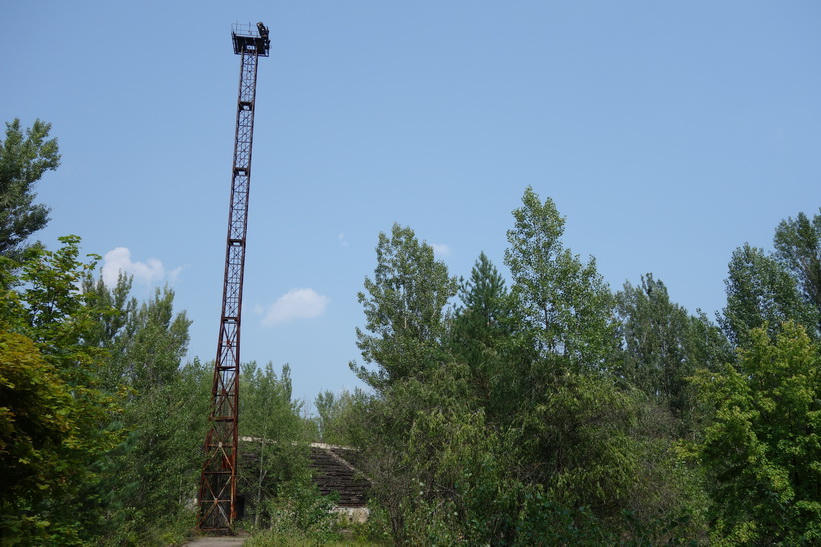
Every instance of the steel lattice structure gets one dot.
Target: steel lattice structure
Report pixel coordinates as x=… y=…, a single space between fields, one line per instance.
x=218 y=484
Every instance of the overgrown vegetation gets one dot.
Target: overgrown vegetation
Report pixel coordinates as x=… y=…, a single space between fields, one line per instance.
x=557 y=412
x=539 y=408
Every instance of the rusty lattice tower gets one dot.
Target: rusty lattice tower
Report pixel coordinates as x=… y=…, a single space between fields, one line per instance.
x=218 y=484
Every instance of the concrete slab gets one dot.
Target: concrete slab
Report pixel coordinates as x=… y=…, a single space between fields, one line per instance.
x=217 y=541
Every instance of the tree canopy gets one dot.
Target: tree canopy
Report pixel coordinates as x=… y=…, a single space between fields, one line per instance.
x=564 y=299
x=762 y=451
x=24 y=157
x=531 y=406
x=404 y=308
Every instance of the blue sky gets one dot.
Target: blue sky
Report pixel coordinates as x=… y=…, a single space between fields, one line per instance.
x=668 y=134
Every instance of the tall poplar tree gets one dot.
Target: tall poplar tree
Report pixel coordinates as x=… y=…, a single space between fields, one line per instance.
x=24 y=157
x=663 y=345
x=271 y=421
x=798 y=247
x=760 y=293
x=405 y=309
x=565 y=299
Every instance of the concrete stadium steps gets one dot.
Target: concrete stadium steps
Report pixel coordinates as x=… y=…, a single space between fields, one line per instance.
x=334 y=470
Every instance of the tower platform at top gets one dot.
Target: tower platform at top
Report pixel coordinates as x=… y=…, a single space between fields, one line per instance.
x=246 y=38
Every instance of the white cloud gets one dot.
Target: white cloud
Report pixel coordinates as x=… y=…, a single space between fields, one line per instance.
x=295 y=304
x=147 y=272
x=342 y=240
x=174 y=274
x=440 y=249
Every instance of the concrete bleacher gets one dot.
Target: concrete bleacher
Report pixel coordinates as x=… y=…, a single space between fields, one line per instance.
x=335 y=471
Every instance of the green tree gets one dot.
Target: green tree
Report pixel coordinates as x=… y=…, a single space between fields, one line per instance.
x=404 y=309
x=148 y=483
x=50 y=368
x=762 y=452
x=24 y=158
x=485 y=315
x=760 y=291
x=116 y=306
x=36 y=409
x=579 y=454
x=566 y=301
x=663 y=345
x=103 y=345
x=274 y=436
x=798 y=247
x=328 y=407
x=149 y=347
x=453 y=478
x=488 y=335
x=336 y=420
x=654 y=331
x=490 y=434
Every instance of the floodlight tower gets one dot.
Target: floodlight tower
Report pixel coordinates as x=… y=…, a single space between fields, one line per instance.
x=218 y=483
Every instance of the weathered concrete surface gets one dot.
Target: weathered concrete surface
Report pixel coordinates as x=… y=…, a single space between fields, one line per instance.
x=217 y=541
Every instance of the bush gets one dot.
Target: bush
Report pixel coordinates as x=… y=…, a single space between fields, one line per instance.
x=299 y=513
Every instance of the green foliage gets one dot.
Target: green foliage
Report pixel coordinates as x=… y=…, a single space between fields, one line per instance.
x=337 y=416
x=511 y=430
x=274 y=454
x=760 y=292
x=444 y=474
x=589 y=443
x=484 y=316
x=542 y=521
x=404 y=309
x=144 y=342
x=663 y=346
x=36 y=421
x=427 y=451
x=54 y=408
x=148 y=483
x=457 y=477
x=798 y=248
x=566 y=301
x=114 y=307
x=299 y=514
x=100 y=464
x=52 y=310
x=24 y=158
x=761 y=453
x=488 y=335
